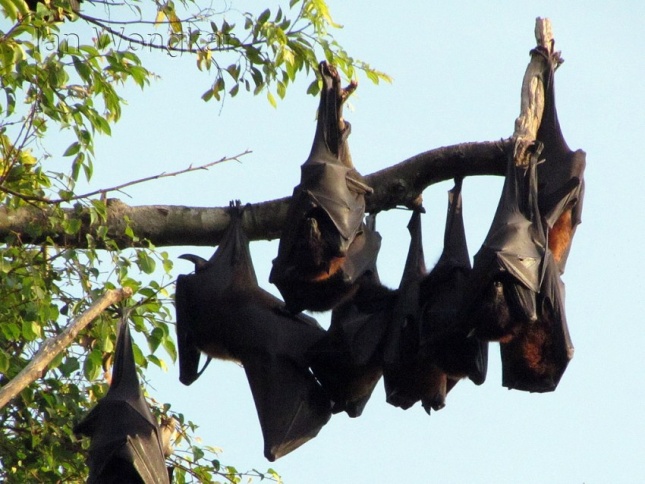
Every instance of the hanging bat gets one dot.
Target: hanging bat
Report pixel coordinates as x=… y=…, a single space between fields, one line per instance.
x=508 y=268
x=560 y=173
x=221 y=311
x=406 y=379
x=126 y=444
x=325 y=216
x=348 y=360
x=536 y=358
x=445 y=342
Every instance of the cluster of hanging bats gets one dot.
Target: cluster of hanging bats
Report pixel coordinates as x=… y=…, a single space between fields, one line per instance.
x=421 y=338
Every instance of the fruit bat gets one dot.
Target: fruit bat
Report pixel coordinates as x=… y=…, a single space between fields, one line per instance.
x=525 y=275
x=126 y=444
x=560 y=172
x=222 y=312
x=348 y=360
x=536 y=358
x=508 y=268
x=407 y=379
x=316 y=267
x=444 y=340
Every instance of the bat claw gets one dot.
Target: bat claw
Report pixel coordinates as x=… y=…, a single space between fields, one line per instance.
x=195 y=259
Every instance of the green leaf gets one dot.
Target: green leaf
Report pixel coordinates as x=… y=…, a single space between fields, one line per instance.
x=82 y=68
x=72 y=149
x=264 y=16
x=282 y=90
x=69 y=366
x=92 y=365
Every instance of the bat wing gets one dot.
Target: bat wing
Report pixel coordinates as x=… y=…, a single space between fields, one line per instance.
x=537 y=357
x=189 y=353
x=508 y=268
x=341 y=196
x=444 y=339
x=560 y=174
x=125 y=437
x=401 y=373
x=291 y=406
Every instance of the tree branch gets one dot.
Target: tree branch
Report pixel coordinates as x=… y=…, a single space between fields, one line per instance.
x=166 y=225
x=53 y=346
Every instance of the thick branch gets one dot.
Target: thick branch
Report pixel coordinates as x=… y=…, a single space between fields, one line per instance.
x=165 y=225
x=53 y=346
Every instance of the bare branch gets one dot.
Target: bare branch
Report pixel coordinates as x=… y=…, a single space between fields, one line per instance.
x=53 y=346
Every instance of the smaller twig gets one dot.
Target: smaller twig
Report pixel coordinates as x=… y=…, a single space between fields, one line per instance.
x=157 y=177
x=53 y=346
x=102 y=191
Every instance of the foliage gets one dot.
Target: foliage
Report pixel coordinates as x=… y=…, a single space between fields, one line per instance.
x=56 y=85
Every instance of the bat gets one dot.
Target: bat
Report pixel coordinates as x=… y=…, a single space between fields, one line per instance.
x=537 y=357
x=126 y=444
x=222 y=311
x=404 y=377
x=348 y=360
x=536 y=346
x=316 y=267
x=508 y=268
x=445 y=341
x=560 y=173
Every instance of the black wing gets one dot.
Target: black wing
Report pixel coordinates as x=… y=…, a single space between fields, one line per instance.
x=222 y=312
x=125 y=437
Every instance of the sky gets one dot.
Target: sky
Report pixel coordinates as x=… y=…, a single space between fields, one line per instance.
x=457 y=70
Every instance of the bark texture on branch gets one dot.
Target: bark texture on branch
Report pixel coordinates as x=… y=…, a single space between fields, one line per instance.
x=53 y=346
x=168 y=225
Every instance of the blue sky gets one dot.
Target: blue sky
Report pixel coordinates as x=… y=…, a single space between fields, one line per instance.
x=457 y=69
